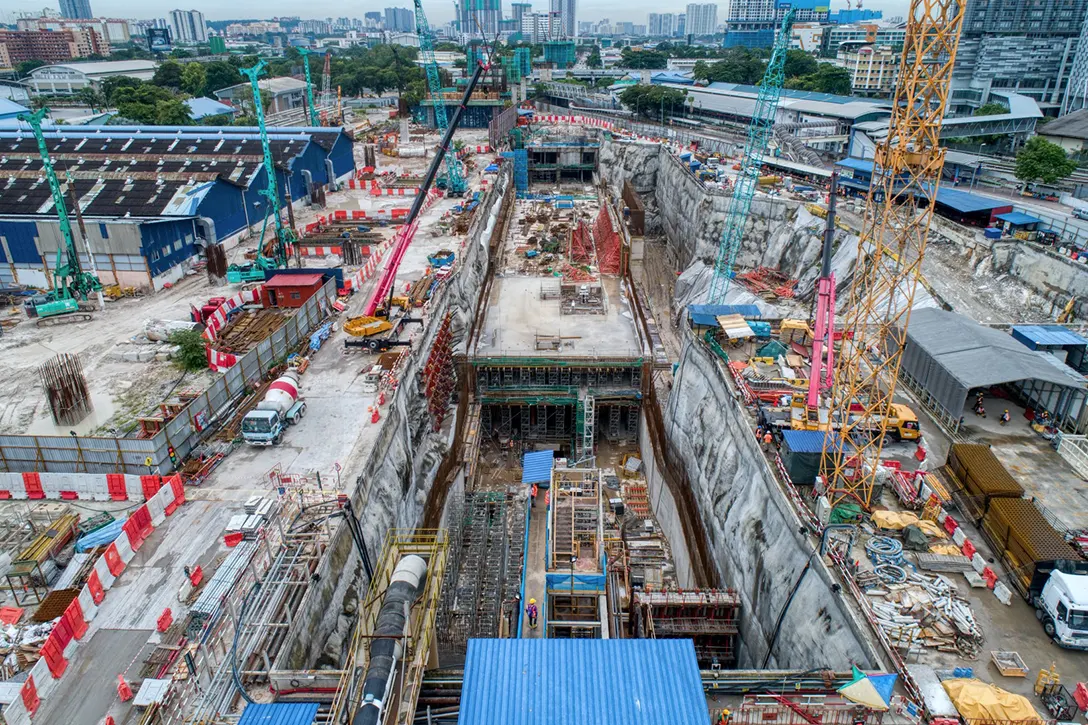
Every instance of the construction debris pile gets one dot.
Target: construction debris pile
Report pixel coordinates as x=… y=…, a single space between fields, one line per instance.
x=554 y=239
x=916 y=611
x=20 y=646
x=649 y=555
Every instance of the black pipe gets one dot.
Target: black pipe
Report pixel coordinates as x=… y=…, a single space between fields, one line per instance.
x=386 y=648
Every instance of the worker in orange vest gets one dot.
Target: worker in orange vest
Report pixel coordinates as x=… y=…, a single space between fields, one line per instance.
x=533 y=494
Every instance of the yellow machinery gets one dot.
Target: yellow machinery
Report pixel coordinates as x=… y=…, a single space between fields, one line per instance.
x=899 y=207
x=366 y=326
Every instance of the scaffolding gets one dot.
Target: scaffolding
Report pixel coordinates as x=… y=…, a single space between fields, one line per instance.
x=575 y=523
x=484 y=572
x=438 y=373
x=708 y=617
x=433 y=546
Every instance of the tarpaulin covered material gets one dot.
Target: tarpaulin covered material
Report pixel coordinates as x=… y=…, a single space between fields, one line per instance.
x=894 y=520
x=100 y=537
x=979 y=701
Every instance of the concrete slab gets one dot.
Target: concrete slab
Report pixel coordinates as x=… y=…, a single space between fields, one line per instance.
x=516 y=315
x=89 y=687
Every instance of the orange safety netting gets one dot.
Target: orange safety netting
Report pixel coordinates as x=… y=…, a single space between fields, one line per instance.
x=608 y=243
x=581 y=244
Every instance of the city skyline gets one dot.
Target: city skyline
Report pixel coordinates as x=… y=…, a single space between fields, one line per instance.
x=437 y=12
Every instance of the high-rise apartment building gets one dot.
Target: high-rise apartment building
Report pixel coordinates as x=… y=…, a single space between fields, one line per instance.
x=76 y=9
x=1076 y=92
x=187 y=26
x=113 y=30
x=479 y=18
x=567 y=10
x=372 y=20
x=1024 y=46
x=752 y=23
x=517 y=10
x=701 y=19
x=662 y=25
x=539 y=27
x=400 y=20
x=51 y=46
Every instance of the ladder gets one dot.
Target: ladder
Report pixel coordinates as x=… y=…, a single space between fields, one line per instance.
x=587 y=418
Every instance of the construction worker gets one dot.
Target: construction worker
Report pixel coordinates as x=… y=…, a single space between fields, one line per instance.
x=768 y=439
x=725 y=717
x=532 y=612
x=533 y=494
x=1005 y=417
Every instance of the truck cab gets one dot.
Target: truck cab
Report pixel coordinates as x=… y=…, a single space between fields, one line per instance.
x=1062 y=607
x=903 y=423
x=262 y=427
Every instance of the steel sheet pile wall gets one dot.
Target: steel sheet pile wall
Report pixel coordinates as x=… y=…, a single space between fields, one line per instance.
x=83 y=454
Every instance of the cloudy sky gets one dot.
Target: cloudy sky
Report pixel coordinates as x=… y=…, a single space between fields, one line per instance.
x=437 y=11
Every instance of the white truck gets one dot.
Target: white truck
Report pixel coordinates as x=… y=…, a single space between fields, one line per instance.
x=1062 y=607
x=282 y=406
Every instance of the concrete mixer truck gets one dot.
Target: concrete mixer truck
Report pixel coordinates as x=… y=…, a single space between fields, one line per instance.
x=282 y=406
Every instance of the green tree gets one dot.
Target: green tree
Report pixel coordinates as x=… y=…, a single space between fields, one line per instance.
x=194 y=78
x=172 y=112
x=447 y=47
x=738 y=65
x=24 y=68
x=168 y=75
x=594 y=59
x=652 y=101
x=643 y=59
x=604 y=82
x=140 y=103
x=827 y=79
x=701 y=71
x=191 y=355
x=91 y=98
x=219 y=75
x=991 y=109
x=111 y=85
x=1041 y=160
x=800 y=63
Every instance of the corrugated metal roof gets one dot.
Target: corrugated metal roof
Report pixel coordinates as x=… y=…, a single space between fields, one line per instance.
x=536 y=466
x=965 y=201
x=1018 y=217
x=1033 y=335
x=804 y=441
x=563 y=681
x=293 y=280
x=279 y=713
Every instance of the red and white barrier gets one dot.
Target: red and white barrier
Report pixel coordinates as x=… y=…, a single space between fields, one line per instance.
x=71 y=627
x=70 y=487
x=219 y=361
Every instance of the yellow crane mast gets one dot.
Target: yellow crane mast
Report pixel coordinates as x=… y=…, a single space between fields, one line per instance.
x=899 y=207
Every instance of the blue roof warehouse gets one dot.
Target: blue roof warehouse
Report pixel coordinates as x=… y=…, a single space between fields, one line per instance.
x=152 y=197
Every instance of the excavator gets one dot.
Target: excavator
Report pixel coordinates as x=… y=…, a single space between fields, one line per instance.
x=71 y=285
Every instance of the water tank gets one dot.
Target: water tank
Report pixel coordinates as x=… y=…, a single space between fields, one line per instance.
x=992 y=233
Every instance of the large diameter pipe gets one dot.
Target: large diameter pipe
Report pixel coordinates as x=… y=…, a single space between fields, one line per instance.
x=386 y=648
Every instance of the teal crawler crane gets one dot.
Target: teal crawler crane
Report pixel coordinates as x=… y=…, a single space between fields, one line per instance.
x=71 y=285
x=285 y=236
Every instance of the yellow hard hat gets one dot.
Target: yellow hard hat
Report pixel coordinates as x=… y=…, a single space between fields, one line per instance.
x=532 y=601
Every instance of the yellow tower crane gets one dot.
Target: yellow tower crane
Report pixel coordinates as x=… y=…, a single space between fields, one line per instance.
x=899 y=207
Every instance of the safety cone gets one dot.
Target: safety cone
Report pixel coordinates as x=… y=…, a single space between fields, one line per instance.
x=375 y=416
x=381 y=398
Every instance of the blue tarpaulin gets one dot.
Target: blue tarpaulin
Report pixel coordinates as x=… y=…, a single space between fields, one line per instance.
x=279 y=713
x=707 y=315
x=100 y=537
x=578 y=582
x=804 y=441
x=536 y=467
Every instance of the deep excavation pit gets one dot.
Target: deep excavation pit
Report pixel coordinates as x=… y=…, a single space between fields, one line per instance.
x=711 y=491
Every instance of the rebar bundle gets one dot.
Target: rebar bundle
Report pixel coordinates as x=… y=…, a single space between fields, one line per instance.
x=66 y=389
x=217 y=262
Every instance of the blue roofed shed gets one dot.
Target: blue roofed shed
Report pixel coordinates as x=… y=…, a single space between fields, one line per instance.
x=536 y=467
x=206 y=107
x=564 y=681
x=1017 y=219
x=279 y=713
x=1055 y=339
